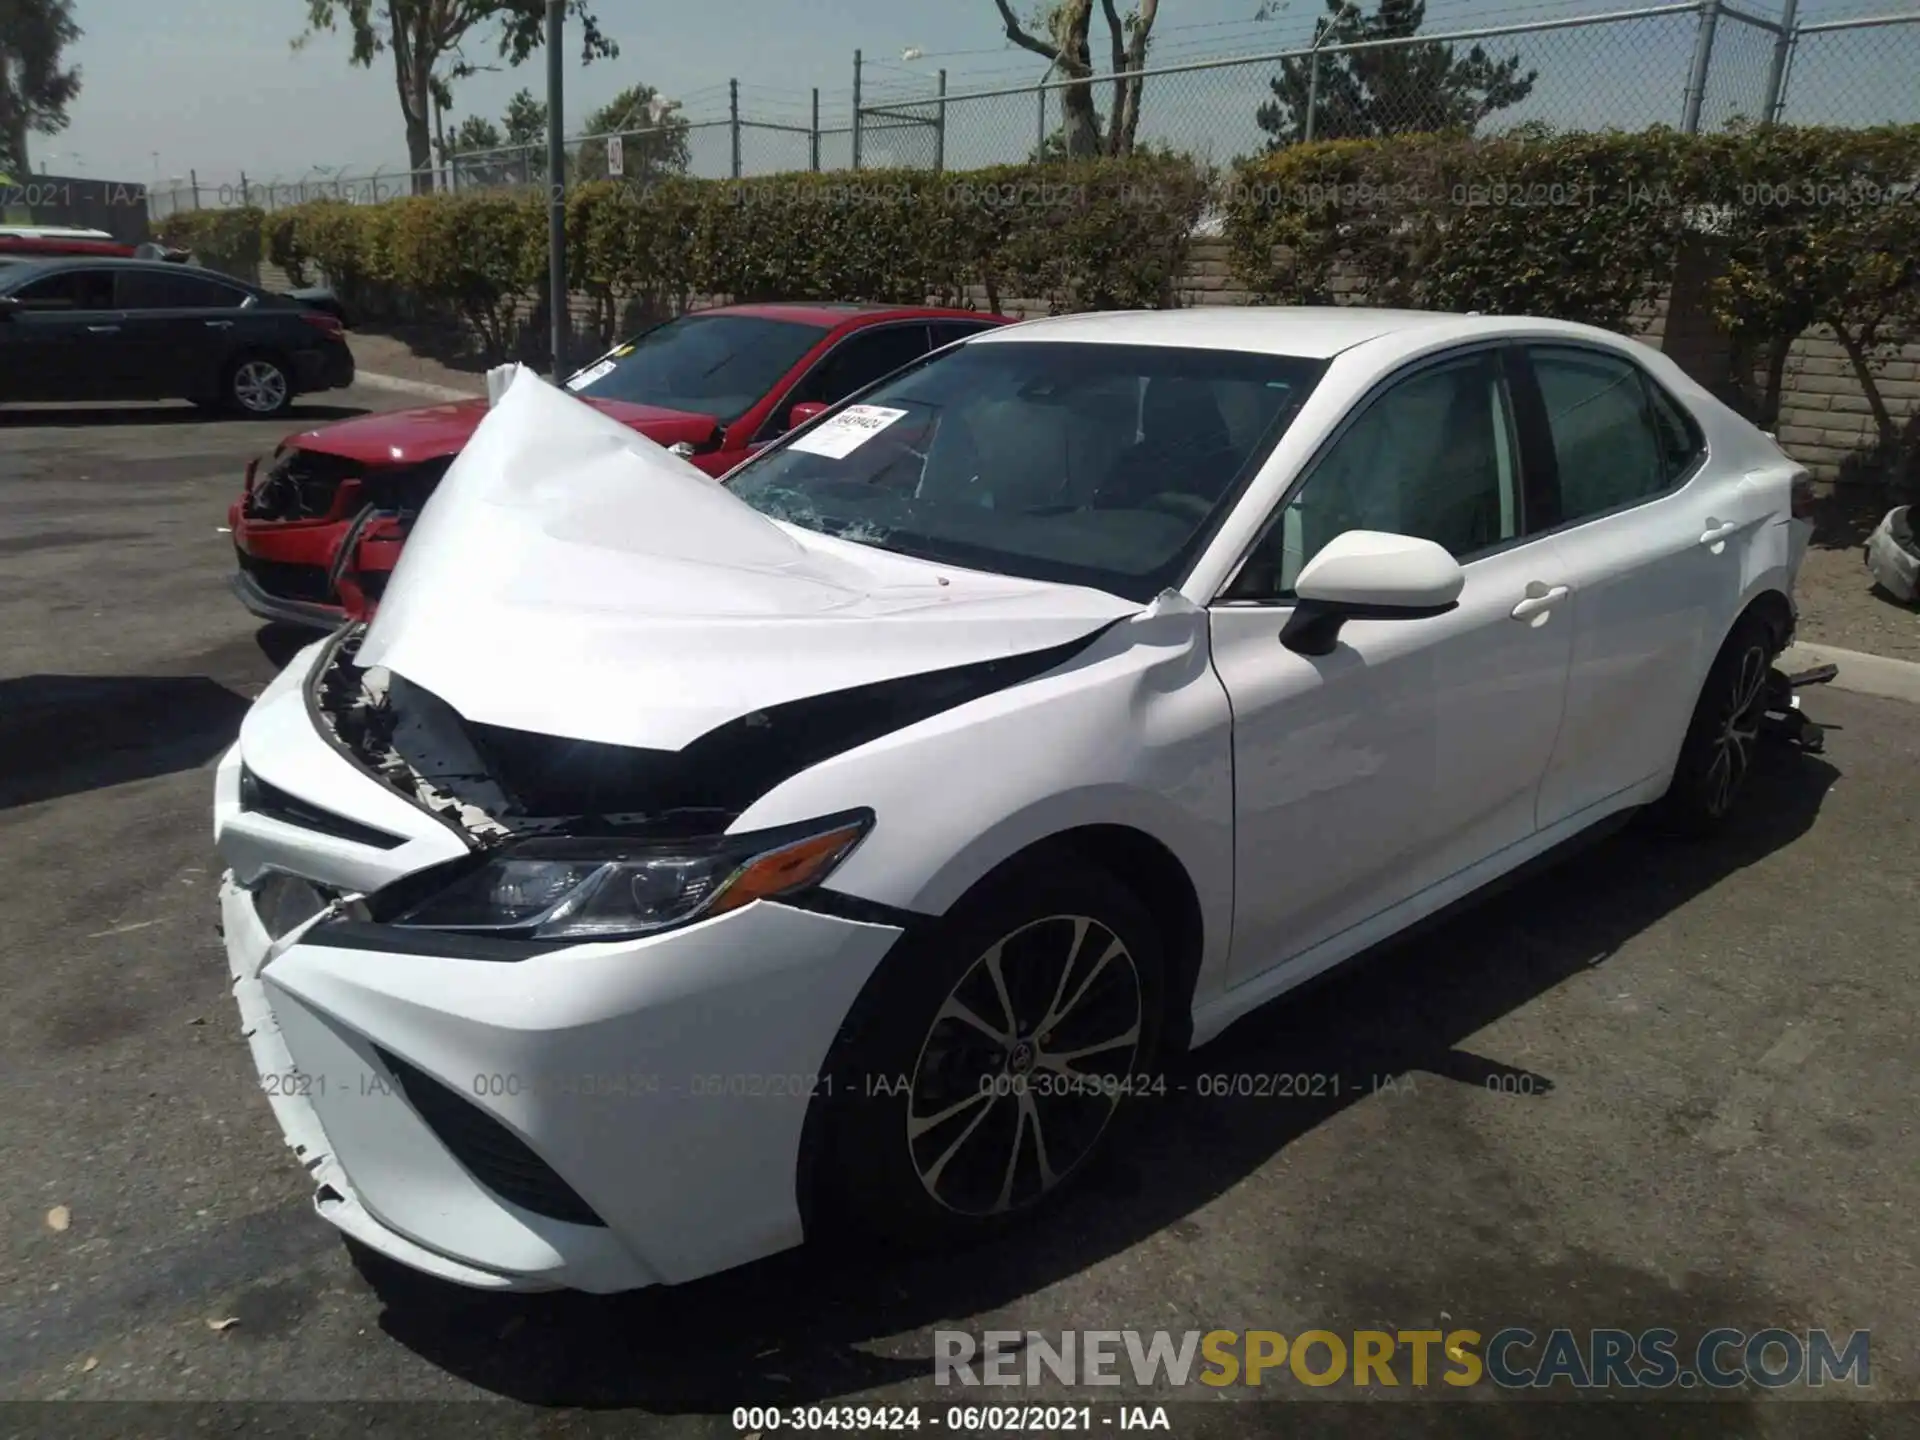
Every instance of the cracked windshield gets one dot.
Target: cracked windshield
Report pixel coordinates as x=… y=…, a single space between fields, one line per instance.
x=1097 y=464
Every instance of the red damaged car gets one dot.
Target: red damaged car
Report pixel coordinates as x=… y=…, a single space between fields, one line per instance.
x=323 y=518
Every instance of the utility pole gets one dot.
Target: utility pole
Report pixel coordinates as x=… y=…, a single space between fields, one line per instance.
x=557 y=186
x=1702 y=66
x=1782 y=55
x=856 y=109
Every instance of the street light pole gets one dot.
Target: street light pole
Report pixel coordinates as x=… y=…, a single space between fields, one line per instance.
x=557 y=187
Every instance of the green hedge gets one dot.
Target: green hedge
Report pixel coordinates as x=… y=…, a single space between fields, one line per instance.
x=231 y=241
x=1093 y=234
x=1808 y=226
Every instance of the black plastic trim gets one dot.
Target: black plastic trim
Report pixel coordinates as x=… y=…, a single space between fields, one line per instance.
x=823 y=901
x=446 y=944
x=276 y=610
x=257 y=797
x=1314 y=626
x=487 y=1149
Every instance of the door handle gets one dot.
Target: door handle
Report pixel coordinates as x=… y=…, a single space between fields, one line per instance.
x=103 y=329
x=219 y=324
x=1717 y=533
x=1536 y=604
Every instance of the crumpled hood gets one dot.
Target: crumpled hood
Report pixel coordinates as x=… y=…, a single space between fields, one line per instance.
x=571 y=577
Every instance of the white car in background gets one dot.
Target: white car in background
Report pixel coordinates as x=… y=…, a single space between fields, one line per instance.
x=672 y=868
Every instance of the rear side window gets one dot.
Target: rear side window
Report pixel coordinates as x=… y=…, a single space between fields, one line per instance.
x=155 y=290
x=858 y=361
x=1681 y=443
x=1616 y=441
x=945 y=332
x=851 y=366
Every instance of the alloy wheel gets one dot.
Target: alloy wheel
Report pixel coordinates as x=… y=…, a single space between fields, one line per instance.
x=1738 y=735
x=1025 y=1062
x=260 y=386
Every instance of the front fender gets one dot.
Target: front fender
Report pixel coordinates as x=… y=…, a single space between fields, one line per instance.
x=1136 y=732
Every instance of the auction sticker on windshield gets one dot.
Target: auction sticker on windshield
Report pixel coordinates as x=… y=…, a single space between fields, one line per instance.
x=592 y=373
x=847 y=431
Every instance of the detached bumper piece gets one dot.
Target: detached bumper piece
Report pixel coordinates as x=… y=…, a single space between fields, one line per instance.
x=1783 y=719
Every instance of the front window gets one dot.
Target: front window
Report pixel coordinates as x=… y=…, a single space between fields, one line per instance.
x=1099 y=465
x=718 y=365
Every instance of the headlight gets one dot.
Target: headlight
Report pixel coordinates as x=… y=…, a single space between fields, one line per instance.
x=583 y=889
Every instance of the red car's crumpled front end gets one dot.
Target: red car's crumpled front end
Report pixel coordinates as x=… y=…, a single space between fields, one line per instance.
x=322 y=521
x=316 y=534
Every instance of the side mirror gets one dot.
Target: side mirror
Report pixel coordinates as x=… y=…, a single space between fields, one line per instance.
x=803 y=412
x=1369 y=575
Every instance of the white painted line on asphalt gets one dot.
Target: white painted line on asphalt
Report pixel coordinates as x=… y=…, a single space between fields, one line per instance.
x=373 y=379
x=1864 y=674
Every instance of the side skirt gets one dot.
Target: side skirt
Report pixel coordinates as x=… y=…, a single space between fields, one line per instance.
x=1433 y=906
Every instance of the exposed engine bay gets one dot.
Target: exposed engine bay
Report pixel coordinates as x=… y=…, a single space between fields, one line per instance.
x=312 y=485
x=493 y=783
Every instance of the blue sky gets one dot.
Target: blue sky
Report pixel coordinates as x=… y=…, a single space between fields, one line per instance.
x=213 y=86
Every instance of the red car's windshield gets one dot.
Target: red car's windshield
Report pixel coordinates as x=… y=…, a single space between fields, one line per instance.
x=719 y=365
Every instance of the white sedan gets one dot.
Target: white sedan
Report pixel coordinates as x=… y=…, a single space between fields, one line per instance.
x=674 y=868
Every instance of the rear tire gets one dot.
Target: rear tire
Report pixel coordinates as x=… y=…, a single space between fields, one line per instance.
x=937 y=1131
x=258 y=386
x=1724 y=735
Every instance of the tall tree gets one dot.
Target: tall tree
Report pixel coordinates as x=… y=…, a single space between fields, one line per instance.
x=1423 y=87
x=525 y=122
x=653 y=137
x=1063 y=34
x=425 y=38
x=35 y=89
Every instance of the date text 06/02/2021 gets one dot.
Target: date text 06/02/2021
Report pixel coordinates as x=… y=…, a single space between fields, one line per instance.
x=962 y=1419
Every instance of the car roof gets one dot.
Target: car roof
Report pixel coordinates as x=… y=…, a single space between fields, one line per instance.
x=833 y=314
x=52 y=232
x=48 y=264
x=1311 y=332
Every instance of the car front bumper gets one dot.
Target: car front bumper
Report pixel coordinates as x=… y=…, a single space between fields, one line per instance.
x=282 y=611
x=663 y=1082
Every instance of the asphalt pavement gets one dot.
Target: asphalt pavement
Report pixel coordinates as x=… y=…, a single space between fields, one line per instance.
x=1660 y=1085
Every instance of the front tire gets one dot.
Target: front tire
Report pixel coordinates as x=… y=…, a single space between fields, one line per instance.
x=985 y=1064
x=1724 y=736
x=258 y=386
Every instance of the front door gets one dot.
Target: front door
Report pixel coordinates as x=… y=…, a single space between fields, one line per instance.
x=1416 y=749
x=63 y=339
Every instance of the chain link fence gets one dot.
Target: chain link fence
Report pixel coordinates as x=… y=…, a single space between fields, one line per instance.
x=1693 y=64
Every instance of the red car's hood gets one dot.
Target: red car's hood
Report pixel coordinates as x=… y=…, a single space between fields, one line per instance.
x=407 y=437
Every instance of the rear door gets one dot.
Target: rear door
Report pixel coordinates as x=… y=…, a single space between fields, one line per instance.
x=180 y=328
x=62 y=341
x=1651 y=545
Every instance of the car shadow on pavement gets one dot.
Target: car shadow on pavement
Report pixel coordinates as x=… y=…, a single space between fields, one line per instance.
x=280 y=643
x=826 y=1322
x=63 y=734
x=157 y=414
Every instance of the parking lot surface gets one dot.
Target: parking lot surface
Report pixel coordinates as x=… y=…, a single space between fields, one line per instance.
x=1659 y=1085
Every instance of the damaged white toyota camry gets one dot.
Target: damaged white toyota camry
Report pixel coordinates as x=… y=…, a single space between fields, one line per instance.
x=672 y=868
